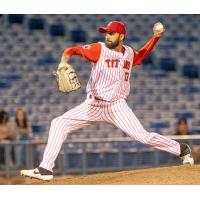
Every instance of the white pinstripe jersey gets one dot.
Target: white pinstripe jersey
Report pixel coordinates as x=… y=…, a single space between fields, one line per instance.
x=109 y=79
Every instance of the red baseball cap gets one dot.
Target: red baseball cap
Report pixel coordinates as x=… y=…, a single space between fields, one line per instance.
x=114 y=27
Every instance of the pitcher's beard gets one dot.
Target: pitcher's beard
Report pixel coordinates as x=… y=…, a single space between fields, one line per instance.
x=112 y=45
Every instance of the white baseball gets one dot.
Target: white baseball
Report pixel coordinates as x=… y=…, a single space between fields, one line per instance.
x=159 y=27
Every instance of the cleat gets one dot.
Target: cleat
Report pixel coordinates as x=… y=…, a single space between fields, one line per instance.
x=38 y=173
x=186 y=154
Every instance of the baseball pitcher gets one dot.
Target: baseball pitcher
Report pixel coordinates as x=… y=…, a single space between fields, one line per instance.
x=107 y=90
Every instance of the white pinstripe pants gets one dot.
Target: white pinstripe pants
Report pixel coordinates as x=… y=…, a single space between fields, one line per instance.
x=91 y=111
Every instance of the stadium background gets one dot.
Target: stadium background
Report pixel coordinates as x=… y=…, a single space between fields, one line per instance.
x=165 y=88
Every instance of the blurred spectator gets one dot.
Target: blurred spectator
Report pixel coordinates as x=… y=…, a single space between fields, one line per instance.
x=5 y=132
x=22 y=131
x=5 y=129
x=182 y=128
x=21 y=127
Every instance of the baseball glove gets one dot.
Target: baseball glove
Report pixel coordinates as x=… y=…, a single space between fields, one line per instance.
x=67 y=79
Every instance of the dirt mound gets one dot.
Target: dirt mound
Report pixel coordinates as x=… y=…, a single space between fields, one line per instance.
x=164 y=175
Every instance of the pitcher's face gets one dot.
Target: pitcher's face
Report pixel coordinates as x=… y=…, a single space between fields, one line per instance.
x=112 y=40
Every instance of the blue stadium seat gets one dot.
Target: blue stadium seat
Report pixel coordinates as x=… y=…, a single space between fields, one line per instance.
x=168 y=64
x=36 y=23
x=195 y=131
x=191 y=71
x=57 y=30
x=192 y=39
x=78 y=35
x=11 y=77
x=190 y=90
x=187 y=38
x=7 y=61
x=149 y=59
x=98 y=38
x=158 y=126
x=168 y=46
x=37 y=130
x=132 y=39
x=158 y=74
x=47 y=59
x=174 y=39
x=186 y=115
x=5 y=85
x=16 y=18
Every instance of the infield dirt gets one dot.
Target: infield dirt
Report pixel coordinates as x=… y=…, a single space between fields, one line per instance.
x=176 y=175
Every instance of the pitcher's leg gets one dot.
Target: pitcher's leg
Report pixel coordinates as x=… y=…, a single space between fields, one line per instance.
x=123 y=117
x=83 y=115
x=59 y=129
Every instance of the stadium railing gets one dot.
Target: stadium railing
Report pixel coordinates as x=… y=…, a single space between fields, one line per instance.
x=92 y=155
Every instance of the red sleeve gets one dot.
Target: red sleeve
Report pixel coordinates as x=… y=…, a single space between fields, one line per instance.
x=139 y=56
x=90 y=52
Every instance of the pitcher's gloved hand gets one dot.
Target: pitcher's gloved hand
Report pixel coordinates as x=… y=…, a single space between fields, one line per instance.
x=66 y=78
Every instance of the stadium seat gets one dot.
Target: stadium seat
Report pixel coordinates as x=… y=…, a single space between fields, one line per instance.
x=158 y=74
x=191 y=71
x=36 y=23
x=57 y=30
x=168 y=64
x=175 y=39
x=5 y=85
x=36 y=129
x=190 y=90
x=16 y=18
x=149 y=59
x=47 y=59
x=11 y=77
x=78 y=35
x=159 y=125
x=186 y=115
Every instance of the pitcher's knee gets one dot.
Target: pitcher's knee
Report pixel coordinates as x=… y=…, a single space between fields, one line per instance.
x=148 y=137
x=57 y=122
x=61 y=124
x=54 y=121
x=143 y=136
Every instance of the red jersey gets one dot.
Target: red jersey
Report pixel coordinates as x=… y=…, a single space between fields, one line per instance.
x=109 y=79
